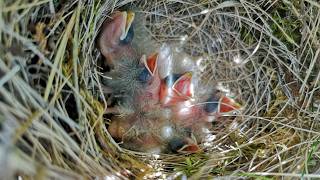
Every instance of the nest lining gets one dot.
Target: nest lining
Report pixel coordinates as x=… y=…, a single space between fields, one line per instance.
x=55 y=127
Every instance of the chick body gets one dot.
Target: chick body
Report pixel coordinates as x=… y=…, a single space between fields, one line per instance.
x=172 y=108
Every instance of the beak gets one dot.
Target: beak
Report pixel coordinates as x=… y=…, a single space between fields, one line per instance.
x=150 y=67
x=128 y=17
x=116 y=32
x=228 y=105
x=183 y=85
x=184 y=145
x=151 y=63
x=176 y=88
x=189 y=148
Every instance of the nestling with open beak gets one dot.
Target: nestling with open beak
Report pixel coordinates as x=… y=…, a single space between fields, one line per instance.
x=172 y=101
x=136 y=84
x=124 y=43
x=170 y=110
x=115 y=41
x=182 y=91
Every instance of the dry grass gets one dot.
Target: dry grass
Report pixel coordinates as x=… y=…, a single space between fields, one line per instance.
x=52 y=104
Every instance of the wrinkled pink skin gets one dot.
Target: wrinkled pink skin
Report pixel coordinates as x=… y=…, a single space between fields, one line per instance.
x=193 y=117
x=149 y=98
x=184 y=116
x=109 y=40
x=148 y=143
x=120 y=125
x=149 y=139
x=185 y=113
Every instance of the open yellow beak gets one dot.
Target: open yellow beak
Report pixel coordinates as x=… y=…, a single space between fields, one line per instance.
x=128 y=17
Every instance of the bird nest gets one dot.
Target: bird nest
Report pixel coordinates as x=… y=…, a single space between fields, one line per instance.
x=52 y=102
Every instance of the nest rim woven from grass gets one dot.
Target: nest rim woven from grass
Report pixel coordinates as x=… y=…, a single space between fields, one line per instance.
x=52 y=103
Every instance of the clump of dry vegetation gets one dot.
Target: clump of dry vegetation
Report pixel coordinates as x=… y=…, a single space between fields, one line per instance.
x=52 y=103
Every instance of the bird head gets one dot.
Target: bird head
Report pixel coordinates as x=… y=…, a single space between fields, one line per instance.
x=177 y=139
x=116 y=36
x=149 y=68
x=150 y=80
x=183 y=145
x=176 y=88
x=221 y=104
x=228 y=105
x=187 y=113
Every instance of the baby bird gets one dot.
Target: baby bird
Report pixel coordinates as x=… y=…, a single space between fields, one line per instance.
x=182 y=87
x=124 y=37
x=124 y=42
x=116 y=37
x=170 y=110
x=152 y=132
